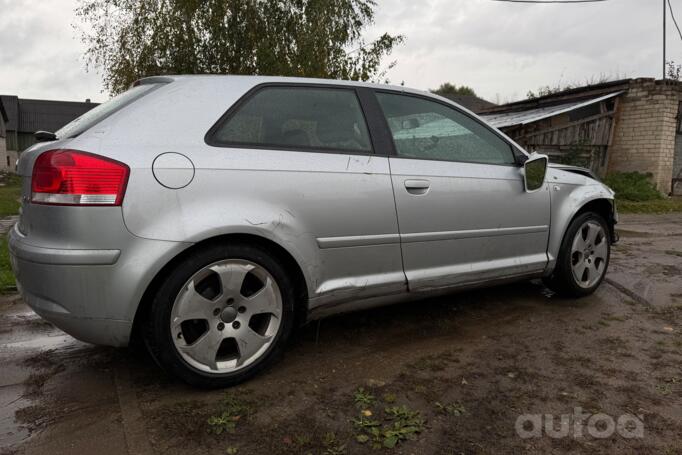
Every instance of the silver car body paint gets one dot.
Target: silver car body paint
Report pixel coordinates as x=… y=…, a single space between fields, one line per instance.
x=338 y=215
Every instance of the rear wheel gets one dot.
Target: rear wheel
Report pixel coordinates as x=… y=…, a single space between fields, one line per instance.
x=223 y=315
x=583 y=257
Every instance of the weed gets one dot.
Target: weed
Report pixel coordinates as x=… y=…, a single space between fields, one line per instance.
x=401 y=424
x=406 y=424
x=302 y=440
x=364 y=422
x=232 y=410
x=332 y=445
x=454 y=409
x=664 y=389
x=363 y=398
x=389 y=398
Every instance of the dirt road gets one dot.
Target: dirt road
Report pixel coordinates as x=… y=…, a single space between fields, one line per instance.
x=469 y=373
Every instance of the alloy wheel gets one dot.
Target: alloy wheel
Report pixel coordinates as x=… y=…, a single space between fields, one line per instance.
x=589 y=254
x=226 y=316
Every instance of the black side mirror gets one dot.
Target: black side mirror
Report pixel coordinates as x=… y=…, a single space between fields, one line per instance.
x=44 y=136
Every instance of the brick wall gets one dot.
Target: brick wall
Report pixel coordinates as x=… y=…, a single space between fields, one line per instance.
x=645 y=130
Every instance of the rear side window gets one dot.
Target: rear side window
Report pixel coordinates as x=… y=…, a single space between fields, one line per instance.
x=298 y=118
x=104 y=110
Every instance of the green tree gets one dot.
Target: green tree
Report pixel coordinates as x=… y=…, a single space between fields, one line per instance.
x=129 y=39
x=673 y=71
x=447 y=88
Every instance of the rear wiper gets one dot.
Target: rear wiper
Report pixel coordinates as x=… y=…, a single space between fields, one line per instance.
x=44 y=136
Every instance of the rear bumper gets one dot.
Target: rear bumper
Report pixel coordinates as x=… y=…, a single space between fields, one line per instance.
x=108 y=332
x=90 y=294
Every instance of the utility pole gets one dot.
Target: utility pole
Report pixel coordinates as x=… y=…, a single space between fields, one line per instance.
x=664 y=16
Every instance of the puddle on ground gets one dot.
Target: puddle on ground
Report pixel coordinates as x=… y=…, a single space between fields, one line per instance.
x=11 y=431
x=39 y=343
x=23 y=335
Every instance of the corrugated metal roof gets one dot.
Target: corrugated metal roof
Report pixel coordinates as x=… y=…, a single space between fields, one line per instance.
x=11 y=106
x=36 y=115
x=3 y=114
x=3 y=120
x=506 y=119
x=29 y=116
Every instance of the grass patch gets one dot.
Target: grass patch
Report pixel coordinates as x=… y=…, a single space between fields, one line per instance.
x=656 y=206
x=10 y=193
x=7 y=283
x=635 y=193
x=632 y=186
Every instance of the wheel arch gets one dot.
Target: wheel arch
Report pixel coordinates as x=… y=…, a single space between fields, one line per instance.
x=564 y=210
x=278 y=250
x=603 y=207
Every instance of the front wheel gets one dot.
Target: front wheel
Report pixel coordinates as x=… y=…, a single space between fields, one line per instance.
x=222 y=315
x=583 y=258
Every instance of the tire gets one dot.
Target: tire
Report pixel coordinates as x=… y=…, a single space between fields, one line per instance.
x=223 y=315
x=582 y=263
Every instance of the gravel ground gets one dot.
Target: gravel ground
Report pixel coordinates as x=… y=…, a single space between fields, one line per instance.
x=487 y=371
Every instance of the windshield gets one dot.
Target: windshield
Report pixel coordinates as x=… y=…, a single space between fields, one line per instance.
x=104 y=110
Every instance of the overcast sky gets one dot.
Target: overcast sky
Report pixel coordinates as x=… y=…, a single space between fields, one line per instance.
x=502 y=50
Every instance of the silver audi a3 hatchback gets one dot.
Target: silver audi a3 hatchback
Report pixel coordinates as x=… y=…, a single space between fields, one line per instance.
x=211 y=215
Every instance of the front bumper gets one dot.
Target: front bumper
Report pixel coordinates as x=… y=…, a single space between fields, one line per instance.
x=90 y=294
x=612 y=223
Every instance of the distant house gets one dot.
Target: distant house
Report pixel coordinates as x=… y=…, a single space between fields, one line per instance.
x=3 y=131
x=471 y=102
x=26 y=116
x=626 y=125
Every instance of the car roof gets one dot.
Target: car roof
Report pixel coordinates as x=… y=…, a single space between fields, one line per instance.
x=256 y=80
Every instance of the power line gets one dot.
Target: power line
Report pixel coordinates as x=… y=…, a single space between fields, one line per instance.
x=670 y=7
x=550 y=1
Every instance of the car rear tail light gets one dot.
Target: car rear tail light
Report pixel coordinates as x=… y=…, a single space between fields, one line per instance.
x=72 y=177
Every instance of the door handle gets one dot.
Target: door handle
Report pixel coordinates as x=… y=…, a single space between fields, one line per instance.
x=417 y=186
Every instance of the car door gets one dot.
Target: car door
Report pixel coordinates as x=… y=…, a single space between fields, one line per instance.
x=306 y=153
x=463 y=213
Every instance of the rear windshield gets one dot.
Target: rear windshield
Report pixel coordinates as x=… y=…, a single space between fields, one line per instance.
x=104 y=110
